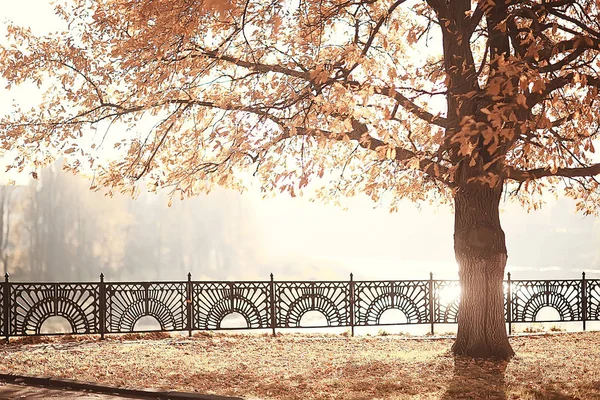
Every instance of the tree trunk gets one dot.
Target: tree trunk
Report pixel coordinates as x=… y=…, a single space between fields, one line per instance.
x=480 y=251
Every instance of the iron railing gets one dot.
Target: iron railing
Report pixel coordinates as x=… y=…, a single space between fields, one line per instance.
x=115 y=307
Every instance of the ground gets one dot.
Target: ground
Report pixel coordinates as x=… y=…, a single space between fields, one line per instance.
x=294 y=366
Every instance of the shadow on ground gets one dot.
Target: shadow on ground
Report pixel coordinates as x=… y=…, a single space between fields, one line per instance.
x=11 y=392
x=477 y=379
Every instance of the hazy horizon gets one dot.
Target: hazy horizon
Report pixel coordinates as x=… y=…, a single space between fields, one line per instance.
x=244 y=237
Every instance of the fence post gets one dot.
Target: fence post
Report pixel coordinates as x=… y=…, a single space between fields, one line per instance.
x=431 y=305
x=6 y=306
x=272 y=301
x=583 y=299
x=509 y=305
x=189 y=303
x=102 y=316
x=352 y=298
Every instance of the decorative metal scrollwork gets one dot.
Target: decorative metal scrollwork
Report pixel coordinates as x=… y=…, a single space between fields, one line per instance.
x=505 y=296
x=103 y=307
x=213 y=301
x=32 y=304
x=446 y=299
x=2 y=314
x=593 y=299
x=294 y=299
x=372 y=299
x=127 y=303
x=529 y=297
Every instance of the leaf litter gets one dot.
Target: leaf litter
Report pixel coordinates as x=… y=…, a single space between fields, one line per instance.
x=297 y=366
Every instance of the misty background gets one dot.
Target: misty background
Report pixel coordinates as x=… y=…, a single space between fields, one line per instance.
x=56 y=229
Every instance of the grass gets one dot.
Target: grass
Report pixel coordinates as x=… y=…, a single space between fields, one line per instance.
x=293 y=366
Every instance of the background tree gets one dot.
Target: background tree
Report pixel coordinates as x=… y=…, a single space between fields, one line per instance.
x=55 y=228
x=55 y=218
x=6 y=207
x=463 y=101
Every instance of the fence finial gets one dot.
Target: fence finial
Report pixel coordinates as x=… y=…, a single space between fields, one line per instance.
x=351 y=276
x=431 y=275
x=6 y=276
x=189 y=276
x=583 y=275
x=508 y=275
x=271 y=276
x=101 y=276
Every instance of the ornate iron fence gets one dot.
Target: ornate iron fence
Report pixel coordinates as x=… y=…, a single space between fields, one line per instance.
x=116 y=307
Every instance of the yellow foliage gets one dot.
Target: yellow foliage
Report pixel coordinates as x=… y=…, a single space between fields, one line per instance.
x=211 y=91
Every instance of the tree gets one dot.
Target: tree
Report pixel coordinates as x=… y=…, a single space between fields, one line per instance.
x=68 y=230
x=6 y=193
x=463 y=101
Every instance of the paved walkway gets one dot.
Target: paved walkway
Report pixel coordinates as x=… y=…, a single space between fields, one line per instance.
x=39 y=387
x=10 y=391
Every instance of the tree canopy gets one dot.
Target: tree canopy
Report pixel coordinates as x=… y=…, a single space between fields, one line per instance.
x=377 y=96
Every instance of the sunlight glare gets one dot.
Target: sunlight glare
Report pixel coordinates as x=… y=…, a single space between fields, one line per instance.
x=449 y=294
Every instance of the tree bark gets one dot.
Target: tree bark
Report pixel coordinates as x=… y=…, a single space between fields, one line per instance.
x=480 y=251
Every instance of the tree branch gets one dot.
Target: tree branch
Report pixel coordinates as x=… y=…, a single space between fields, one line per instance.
x=388 y=91
x=521 y=176
x=440 y=7
x=475 y=18
x=255 y=66
x=360 y=134
x=411 y=107
x=379 y=24
x=559 y=83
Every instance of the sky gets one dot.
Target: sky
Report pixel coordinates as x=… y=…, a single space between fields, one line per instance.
x=371 y=242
